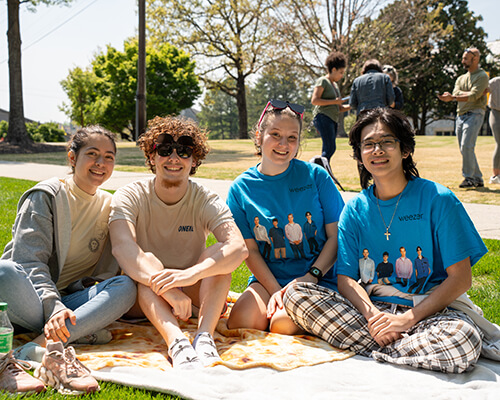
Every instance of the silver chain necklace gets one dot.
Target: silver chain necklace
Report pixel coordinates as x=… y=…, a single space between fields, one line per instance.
x=387 y=233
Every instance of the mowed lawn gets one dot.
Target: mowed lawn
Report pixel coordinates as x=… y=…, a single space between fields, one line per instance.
x=438 y=158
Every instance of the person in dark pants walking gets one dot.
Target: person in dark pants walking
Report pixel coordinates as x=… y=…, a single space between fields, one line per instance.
x=328 y=103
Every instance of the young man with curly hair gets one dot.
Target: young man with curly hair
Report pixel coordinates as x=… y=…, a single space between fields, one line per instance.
x=158 y=229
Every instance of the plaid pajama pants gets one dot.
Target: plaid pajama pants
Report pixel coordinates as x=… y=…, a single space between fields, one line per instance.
x=448 y=341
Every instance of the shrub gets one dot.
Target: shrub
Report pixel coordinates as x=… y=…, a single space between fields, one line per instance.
x=51 y=132
x=48 y=132
x=349 y=121
x=32 y=129
x=4 y=126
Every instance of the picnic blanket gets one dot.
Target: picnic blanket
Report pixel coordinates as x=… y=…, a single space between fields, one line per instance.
x=261 y=365
x=140 y=345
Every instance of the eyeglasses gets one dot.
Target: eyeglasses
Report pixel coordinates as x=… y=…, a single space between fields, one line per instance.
x=165 y=145
x=281 y=105
x=387 y=144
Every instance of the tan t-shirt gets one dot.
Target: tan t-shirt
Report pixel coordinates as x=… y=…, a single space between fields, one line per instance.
x=89 y=231
x=176 y=234
x=475 y=83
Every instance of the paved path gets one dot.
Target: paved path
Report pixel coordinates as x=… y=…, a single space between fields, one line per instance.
x=486 y=217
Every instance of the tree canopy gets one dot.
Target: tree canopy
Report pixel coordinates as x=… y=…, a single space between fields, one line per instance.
x=231 y=41
x=105 y=92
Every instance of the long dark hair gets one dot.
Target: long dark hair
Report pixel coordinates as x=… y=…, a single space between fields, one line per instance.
x=399 y=125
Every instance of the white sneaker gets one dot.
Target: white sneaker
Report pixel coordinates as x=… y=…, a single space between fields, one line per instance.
x=495 y=179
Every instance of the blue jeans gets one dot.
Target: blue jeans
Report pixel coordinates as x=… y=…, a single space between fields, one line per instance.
x=94 y=307
x=467 y=129
x=327 y=128
x=495 y=129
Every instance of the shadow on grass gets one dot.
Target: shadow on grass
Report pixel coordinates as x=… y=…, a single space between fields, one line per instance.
x=488 y=190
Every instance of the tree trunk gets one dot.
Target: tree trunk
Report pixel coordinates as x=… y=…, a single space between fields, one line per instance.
x=414 y=117
x=423 y=121
x=241 y=103
x=16 y=133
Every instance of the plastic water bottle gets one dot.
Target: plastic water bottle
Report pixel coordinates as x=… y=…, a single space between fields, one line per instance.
x=6 y=331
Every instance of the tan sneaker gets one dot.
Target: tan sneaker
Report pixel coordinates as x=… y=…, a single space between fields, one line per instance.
x=14 y=379
x=63 y=371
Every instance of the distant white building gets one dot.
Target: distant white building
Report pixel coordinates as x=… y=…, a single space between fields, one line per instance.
x=441 y=127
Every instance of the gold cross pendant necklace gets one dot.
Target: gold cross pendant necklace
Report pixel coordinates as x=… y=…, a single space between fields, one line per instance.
x=387 y=233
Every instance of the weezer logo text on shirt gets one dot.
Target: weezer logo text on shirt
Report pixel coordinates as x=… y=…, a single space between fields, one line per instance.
x=411 y=217
x=300 y=189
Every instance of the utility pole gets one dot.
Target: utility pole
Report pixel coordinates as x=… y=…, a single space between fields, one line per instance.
x=140 y=115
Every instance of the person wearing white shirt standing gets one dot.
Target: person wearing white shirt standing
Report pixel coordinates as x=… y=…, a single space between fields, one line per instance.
x=366 y=267
x=293 y=233
x=494 y=120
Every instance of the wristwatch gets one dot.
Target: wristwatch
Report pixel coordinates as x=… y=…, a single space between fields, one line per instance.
x=316 y=272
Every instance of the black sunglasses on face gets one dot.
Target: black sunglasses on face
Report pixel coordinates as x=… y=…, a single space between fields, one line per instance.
x=165 y=145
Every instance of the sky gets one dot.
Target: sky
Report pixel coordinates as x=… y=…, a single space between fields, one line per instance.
x=58 y=38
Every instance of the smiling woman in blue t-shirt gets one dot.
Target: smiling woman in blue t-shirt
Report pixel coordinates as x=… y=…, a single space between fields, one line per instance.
x=280 y=193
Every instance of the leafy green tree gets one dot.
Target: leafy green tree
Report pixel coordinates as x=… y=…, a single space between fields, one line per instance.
x=232 y=40
x=219 y=115
x=279 y=82
x=80 y=87
x=171 y=86
x=38 y=133
x=17 y=133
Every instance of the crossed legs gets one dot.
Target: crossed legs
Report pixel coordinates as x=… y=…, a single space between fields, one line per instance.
x=447 y=341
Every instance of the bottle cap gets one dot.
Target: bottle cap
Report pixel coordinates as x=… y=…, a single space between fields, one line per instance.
x=3 y=306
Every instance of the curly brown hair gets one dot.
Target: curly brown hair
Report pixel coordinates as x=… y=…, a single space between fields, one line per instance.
x=175 y=126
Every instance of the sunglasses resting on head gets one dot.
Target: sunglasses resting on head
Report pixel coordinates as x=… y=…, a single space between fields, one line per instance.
x=165 y=145
x=281 y=105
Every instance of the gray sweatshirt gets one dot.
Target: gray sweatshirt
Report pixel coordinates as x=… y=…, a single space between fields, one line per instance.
x=41 y=236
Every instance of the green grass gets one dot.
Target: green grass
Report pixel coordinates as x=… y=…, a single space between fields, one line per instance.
x=109 y=391
x=485 y=291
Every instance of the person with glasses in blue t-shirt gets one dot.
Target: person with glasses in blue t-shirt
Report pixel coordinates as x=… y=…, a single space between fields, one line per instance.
x=387 y=321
